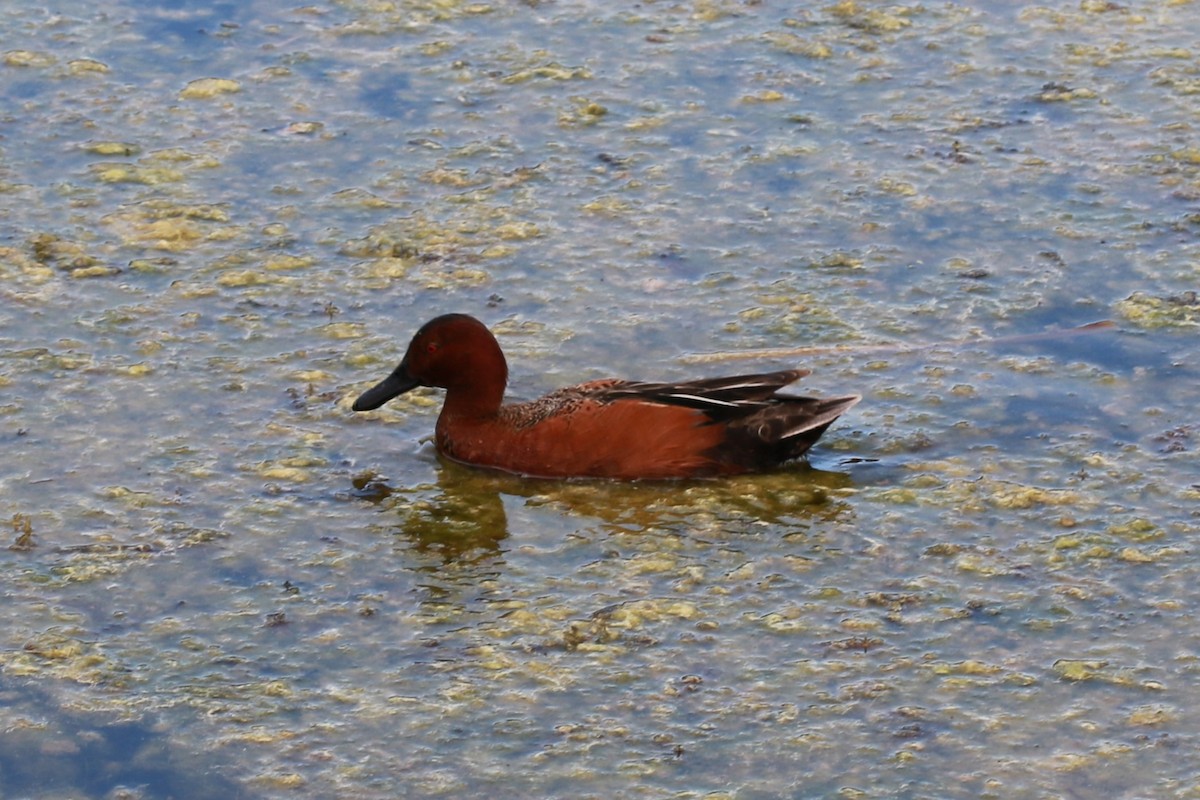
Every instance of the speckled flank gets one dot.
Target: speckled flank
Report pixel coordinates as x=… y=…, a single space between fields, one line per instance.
x=561 y=402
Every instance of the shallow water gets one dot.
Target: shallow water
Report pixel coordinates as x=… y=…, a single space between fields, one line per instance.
x=221 y=582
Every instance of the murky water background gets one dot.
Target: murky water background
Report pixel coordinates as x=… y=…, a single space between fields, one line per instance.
x=219 y=224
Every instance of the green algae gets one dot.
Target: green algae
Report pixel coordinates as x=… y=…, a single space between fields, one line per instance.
x=1143 y=310
x=209 y=88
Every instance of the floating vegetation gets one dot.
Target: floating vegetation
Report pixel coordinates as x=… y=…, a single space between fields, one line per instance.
x=112 y=148
x=62 y=653
x=874 y=20
x=1061 y=93
x=794 y=44
x=1078 y=670
x=112 y=172
x=87 y=66
x=549 y=72
x=68 y=256
x=208 y=88
x=28 y=58
x=22 y=526
x=1149 y=311
x=582 y=112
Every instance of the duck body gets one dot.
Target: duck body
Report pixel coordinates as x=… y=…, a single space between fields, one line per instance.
x=618 y=429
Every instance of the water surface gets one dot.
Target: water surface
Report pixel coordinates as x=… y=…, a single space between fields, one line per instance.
x=221 y=224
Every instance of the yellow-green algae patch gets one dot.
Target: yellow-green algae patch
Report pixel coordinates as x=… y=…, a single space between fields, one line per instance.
x=1148 y=311
x=112 y=148
x=173 y=234
x=452 y=277
x=280 y=262
x=130 y=498
x=1152 y=715
x=1020 y=497
x=551 y=71
x=15 y=262
x=63 y=653
x=156 y=168
x=372 y=17
x=87 y=66
x=179 y=155
x=280 y=780
x=455 y=177
x=28 y=58
x=607 y=206
x=115 y=172
x=67 y=255
x=581 y=112
x=97 y=271
x=344 y=330
x=794 y=44
x=515 y=231
x=1082 y=669
x=313 y=376
x=208 y=88
x=1138 y=529
x=969 y=667
x=433 y=243
x=360 y=198
x=386 y=268
x=297 y=469
x=889 y=19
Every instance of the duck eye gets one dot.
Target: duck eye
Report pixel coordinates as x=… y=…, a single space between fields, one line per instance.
x=431 y=348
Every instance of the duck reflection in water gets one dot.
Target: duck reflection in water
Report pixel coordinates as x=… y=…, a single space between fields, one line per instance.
x=463 y=518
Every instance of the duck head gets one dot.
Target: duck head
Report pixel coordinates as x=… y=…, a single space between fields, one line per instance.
x=455 y=352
